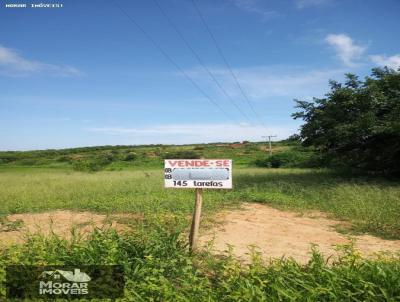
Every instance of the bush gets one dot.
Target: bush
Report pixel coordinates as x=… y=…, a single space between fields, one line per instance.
x=63 y=158
x=87 y=165
x=294 y=139
x=8 y=158
x=93 y=164
x=181 y=154
x=105 y=158
x=251 y=147
x=28 y=162
x=130 y=156
x=291 y=159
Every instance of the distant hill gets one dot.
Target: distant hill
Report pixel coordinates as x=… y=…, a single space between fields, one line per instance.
x=118 y=157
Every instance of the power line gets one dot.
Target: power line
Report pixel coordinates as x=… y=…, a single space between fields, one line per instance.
x=226 y=62
x=200 y=60
x=172 y=61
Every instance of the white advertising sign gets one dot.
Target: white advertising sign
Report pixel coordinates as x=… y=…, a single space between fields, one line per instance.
x=198 y=173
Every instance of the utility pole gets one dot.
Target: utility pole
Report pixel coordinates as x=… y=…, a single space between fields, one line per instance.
x=269 y=141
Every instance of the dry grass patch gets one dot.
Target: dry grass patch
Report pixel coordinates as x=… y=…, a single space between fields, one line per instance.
x=14 y=228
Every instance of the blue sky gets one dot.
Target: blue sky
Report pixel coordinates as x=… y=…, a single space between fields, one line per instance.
x=84 y=75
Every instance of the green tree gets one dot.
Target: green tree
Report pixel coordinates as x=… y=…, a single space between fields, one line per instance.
x=357 y=124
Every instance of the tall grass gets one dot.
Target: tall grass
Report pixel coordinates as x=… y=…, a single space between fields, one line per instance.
x=157 y=263
x=106 y=191
x=372 y=205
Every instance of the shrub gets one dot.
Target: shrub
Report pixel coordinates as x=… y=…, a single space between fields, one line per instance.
x=87 y=165
x=93 y=164
x=186 y=154
x=294 y=139
x=105 y=158
x=5 y=158
x=251 y=147
x=291 y=159
x=63 y=158
x=28 y=162
x=130 y=156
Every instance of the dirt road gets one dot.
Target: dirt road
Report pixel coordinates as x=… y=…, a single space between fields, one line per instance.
x=280 y=233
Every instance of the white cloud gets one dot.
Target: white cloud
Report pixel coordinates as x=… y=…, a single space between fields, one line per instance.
x=12 y=64
x=195 y=133
x=308 y=3
x=253 y=6
x=267 y=83
x=346 y=49
x=382 y=60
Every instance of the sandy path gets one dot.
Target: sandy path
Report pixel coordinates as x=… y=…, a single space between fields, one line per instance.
x=276 y=233
x=279 y=233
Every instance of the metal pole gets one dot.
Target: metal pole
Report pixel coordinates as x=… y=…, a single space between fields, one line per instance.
x=269 y=142
x=194 y=230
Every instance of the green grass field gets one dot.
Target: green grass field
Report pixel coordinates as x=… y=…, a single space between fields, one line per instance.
x=371 y=205
x=157 y=262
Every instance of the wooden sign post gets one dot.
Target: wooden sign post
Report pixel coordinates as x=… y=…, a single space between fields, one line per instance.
x=198 y=174
x=194 y=230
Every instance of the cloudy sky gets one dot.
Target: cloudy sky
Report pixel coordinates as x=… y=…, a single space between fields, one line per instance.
x=178 y=71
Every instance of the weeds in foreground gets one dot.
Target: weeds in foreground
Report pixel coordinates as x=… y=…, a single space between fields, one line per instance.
x=158 y=267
